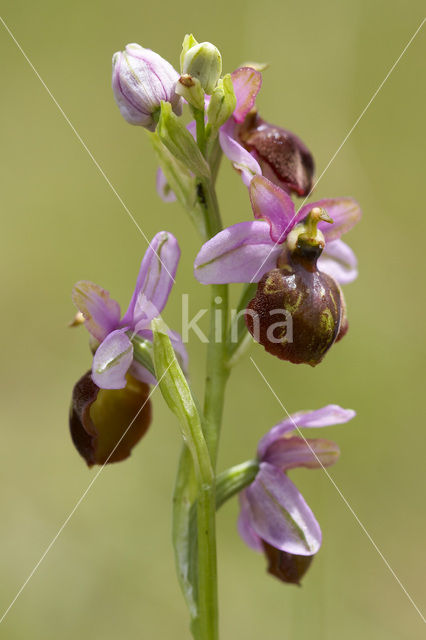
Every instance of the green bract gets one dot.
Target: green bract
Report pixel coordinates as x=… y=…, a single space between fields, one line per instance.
x=190 y=88
x=176 y=137
x=222 y=103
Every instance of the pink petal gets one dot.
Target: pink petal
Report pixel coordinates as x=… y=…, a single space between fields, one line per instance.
x=192 y=128
x=345 y=213
x=241 y=253
x=142 y=374
x=112 y=360
x=324 y=417
x=246 y=82
x=241 y=159
x=154 y=282
x=339 y=261
x=287 y=453
x=163 y=188
x=245 y=528
x=101 y=313
x=280 y=515
x=274 y=205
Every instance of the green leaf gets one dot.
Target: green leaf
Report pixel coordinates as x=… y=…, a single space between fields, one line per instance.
x=176 y=137
x=184 y=537
x=222 y=104
x=180 y=181
x=195 y=546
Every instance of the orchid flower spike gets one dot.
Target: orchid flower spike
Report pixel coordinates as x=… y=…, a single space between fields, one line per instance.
x=141 y=80
x=274 y=516
x=114 y=354
x=246 y=251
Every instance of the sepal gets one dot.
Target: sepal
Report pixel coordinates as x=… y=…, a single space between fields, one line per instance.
x=190 y=88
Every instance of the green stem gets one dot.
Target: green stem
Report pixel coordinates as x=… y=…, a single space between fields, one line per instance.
x=200 y=129
x=207 y=569
x=238 y=330
x=214 y=156
x=208 y=203
x=184 y=497
x=180 y=181
x=217 y=371
x=204 y=582
x=178 y=396
x=234 y=480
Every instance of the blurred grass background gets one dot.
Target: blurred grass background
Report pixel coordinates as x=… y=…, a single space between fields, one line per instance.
x=111 y=573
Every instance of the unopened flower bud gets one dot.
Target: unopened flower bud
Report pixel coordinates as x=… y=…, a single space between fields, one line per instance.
x=106 y=424
x=309 y=300
x=141 y=80
x=222 y=103
x=283 y=157
x=287 y=567
x=191 y=89
x=188 y=42
x=203 y=61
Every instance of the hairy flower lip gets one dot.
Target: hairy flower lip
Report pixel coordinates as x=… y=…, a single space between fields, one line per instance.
x=106 y=425
x=309 y=300
x=283 y=157
x=287 y=567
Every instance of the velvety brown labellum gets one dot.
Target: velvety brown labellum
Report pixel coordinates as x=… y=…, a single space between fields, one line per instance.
x=344 y=324
x=100 y=417
x=287 y=567
x=297 y=310
x=283 y=157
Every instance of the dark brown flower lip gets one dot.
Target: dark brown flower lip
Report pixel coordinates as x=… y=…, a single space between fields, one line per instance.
x=283 y=156
x=106 y=432
x=308 y=299
x=287 y=567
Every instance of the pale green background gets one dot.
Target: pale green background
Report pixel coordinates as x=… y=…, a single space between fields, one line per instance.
x=110 y=573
